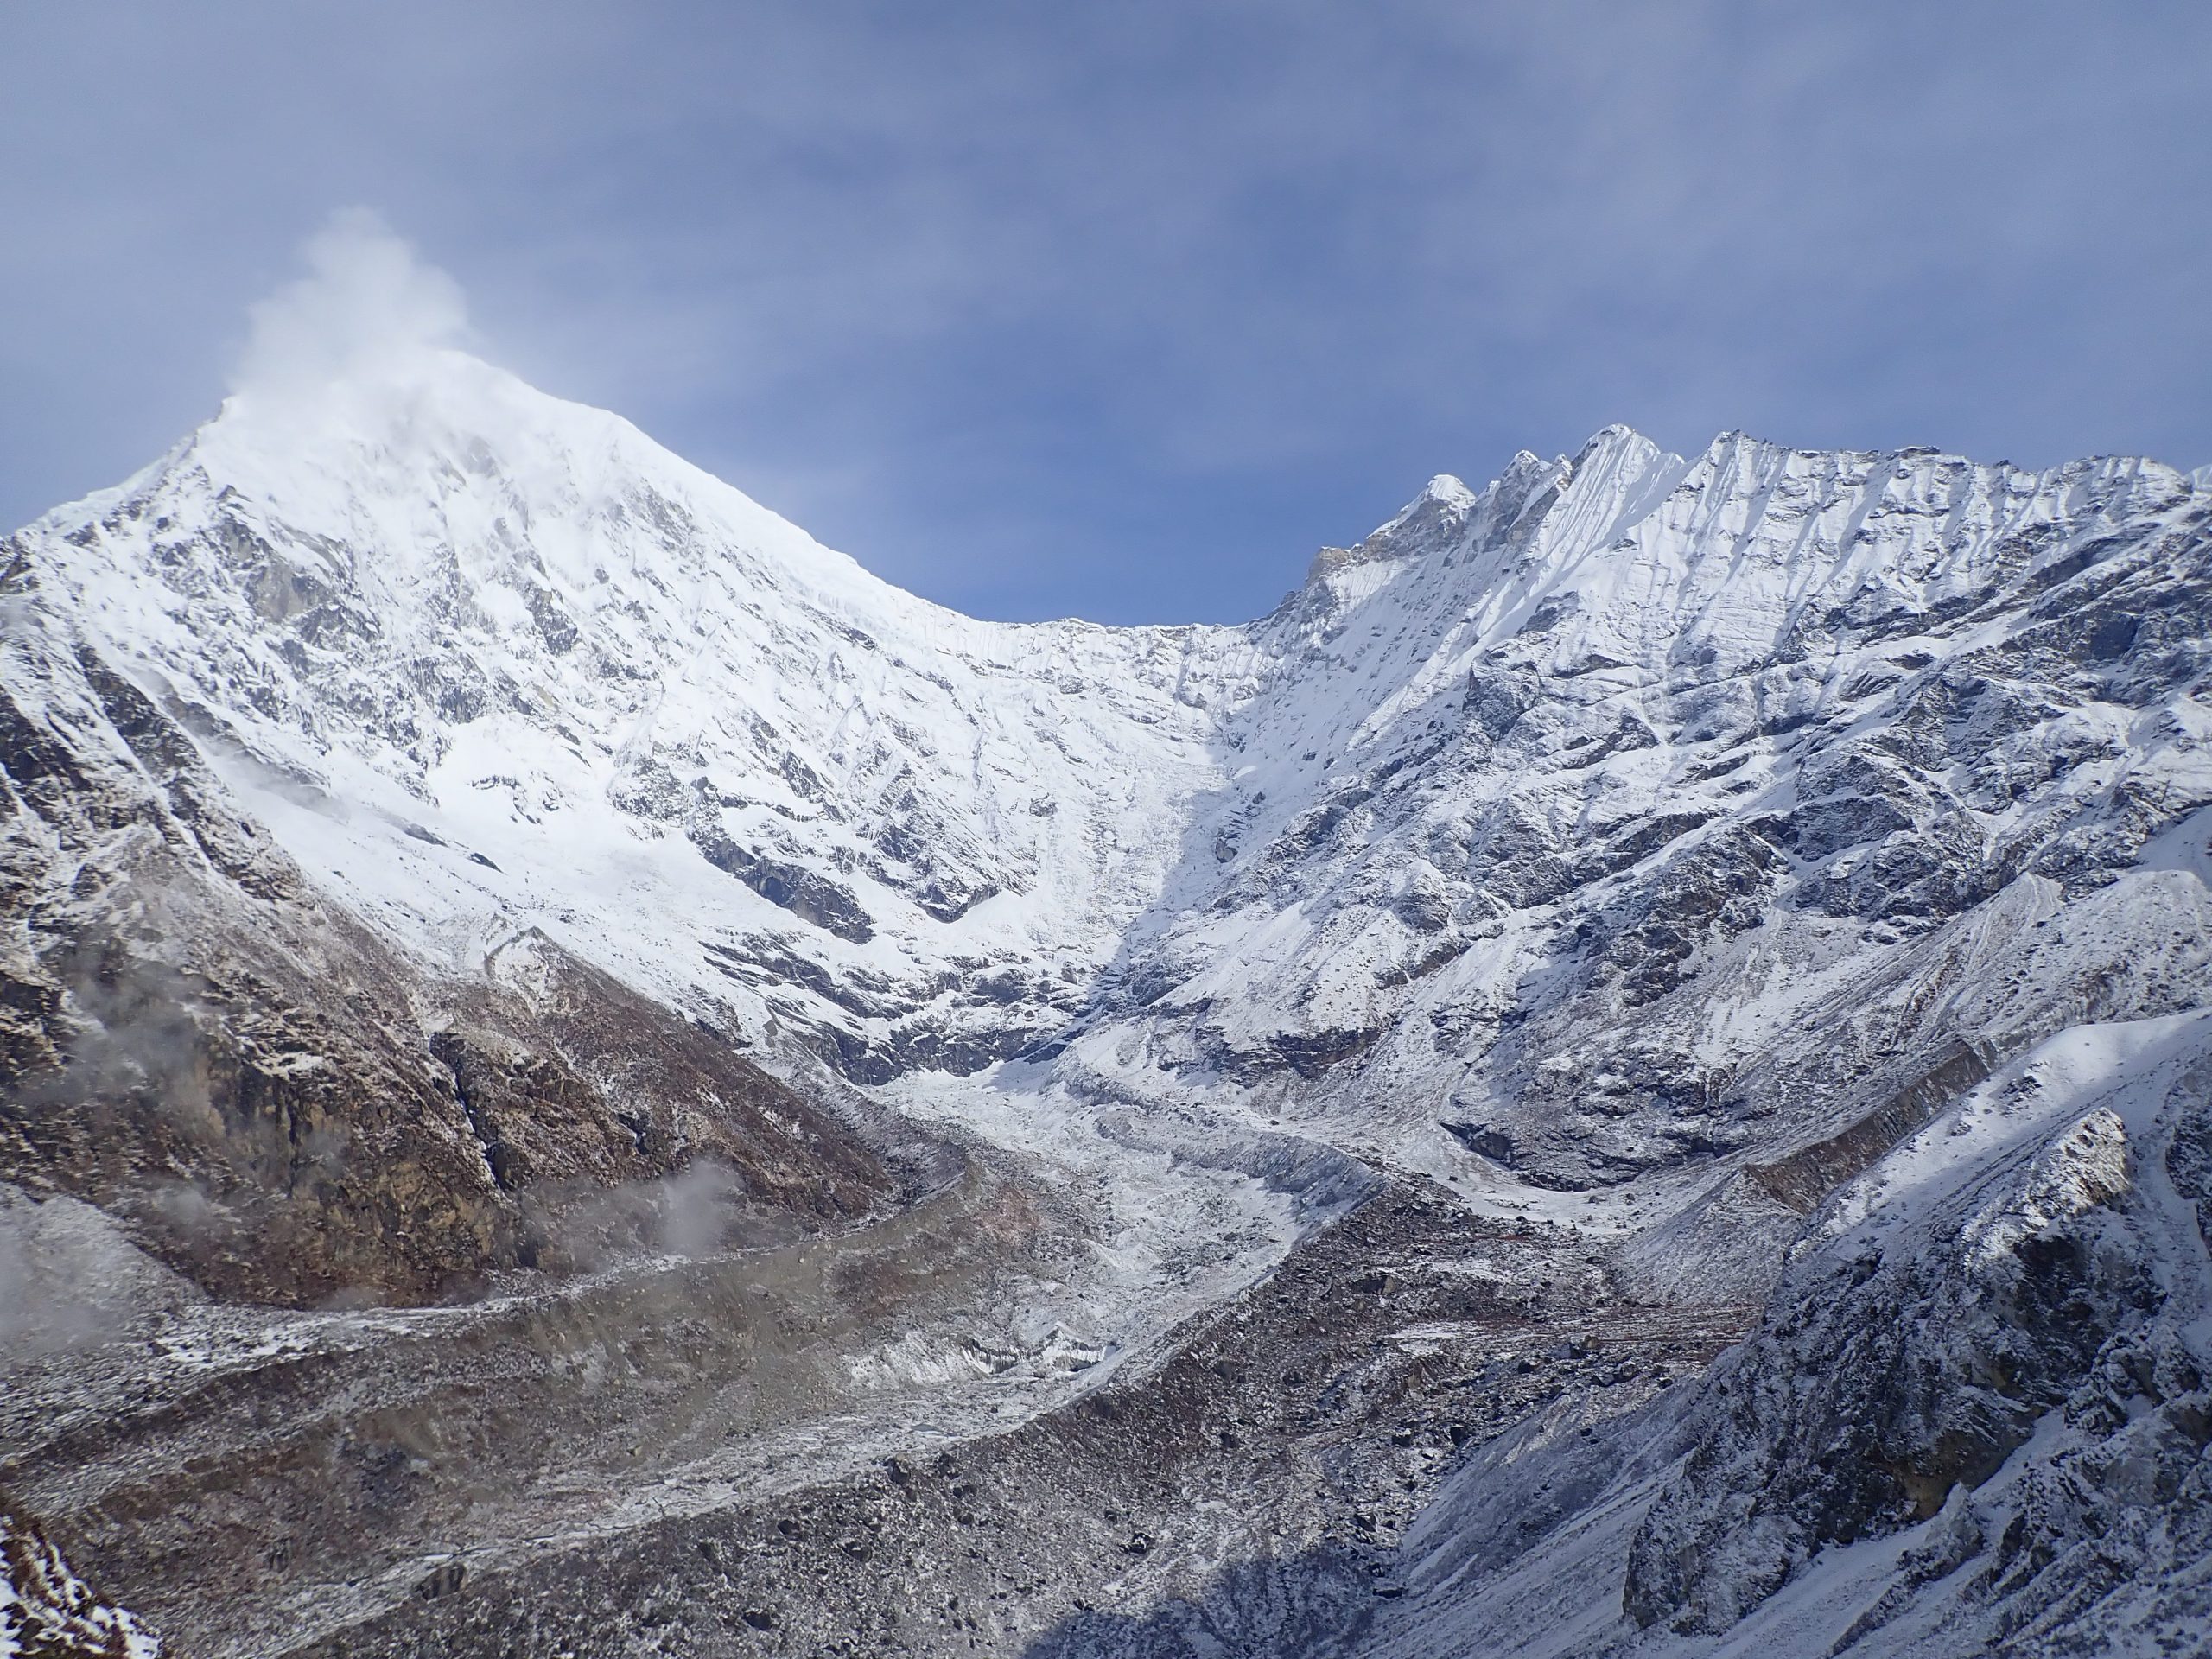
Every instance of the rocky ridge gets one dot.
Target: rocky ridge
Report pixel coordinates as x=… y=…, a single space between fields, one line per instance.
x=1972 y=1418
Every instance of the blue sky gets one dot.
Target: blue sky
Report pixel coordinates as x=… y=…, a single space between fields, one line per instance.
x=1120 y=310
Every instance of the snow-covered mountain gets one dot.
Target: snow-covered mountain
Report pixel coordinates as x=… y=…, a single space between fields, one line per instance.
x=1638 y=847
x=1643 y=819
x=640 y=711
x=729 y=764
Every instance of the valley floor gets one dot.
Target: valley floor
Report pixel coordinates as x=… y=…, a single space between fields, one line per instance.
x=897 y=1441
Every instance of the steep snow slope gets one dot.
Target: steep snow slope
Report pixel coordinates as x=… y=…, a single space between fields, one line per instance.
x=501 y=661
x=1635 y=820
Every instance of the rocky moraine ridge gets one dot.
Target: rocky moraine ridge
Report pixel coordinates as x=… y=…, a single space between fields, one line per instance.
x=1626 y=1073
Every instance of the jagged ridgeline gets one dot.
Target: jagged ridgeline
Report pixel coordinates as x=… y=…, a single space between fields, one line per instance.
x=555 y=1009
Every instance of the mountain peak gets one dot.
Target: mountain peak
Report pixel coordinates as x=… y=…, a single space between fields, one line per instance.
x=1446 y=490
x=432 y=457
x=1615 y=438
x=440 y=409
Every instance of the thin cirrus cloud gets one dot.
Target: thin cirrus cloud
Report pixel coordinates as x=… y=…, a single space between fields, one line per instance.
x=1119 y=311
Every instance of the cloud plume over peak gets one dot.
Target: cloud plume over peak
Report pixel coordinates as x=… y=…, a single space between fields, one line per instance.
x=367 y=307
x=1042 y=310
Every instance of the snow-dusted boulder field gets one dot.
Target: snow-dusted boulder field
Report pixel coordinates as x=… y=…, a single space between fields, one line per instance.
x=461 y=862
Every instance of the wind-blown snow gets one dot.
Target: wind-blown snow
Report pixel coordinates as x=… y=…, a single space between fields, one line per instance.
x=368 y=308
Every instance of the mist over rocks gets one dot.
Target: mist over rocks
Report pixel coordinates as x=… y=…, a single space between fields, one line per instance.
x=499 y=927
x=278 y=1100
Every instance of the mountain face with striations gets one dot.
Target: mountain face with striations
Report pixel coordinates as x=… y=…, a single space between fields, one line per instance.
x=456 y=850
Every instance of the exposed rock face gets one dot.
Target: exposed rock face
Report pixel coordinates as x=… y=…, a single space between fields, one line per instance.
x=47 y=1612
x=2049 y=1272
x=287 y=1108
x=1973 y=1418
